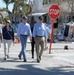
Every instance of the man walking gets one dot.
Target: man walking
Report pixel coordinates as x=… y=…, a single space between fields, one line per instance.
x=40 y=35
x=32 y=42
x=23 y=32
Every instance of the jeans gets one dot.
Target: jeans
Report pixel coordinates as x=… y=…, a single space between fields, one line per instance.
x=23 y=40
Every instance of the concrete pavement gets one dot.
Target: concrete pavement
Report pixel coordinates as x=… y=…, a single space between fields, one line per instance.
x=59 y=62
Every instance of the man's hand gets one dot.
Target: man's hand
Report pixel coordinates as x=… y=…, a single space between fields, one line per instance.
x=35 y=39
x=43 y=38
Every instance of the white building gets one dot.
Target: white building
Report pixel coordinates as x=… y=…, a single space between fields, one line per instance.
x=38 y=4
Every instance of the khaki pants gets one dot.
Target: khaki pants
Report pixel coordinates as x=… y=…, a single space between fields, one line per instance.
x=8 y=43
x=39 y=42
x=0 y=42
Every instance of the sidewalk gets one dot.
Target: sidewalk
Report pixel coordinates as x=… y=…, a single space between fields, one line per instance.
x=60 y=62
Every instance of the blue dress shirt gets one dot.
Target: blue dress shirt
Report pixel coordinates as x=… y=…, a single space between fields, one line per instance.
x=48 y=30
x=24 y=29
x=39 y=30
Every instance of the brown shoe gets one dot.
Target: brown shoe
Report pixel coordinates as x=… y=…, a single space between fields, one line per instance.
x=20 y=57
x=7 y=56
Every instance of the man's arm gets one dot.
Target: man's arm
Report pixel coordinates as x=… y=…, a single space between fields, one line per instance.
x=34 y=32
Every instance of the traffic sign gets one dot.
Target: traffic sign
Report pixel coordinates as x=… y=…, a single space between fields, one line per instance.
x=54 y=11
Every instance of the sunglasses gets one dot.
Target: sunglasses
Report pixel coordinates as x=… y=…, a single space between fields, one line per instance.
x=7 y=22
x=41 y=19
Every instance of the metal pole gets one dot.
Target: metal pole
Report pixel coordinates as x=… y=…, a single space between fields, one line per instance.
x=51 y=37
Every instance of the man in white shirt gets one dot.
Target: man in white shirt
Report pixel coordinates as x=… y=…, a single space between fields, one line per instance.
x=23 y=32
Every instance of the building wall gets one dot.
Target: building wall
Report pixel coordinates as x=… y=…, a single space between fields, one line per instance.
x=38 y=5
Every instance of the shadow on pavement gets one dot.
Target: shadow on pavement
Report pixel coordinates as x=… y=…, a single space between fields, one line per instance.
x=15 y=60
x=9 y=60
x=29 y=69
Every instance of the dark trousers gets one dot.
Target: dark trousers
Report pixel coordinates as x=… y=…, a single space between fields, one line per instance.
x=32 y=46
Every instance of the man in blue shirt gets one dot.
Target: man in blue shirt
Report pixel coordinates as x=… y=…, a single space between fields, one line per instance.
x=23 y=32
x=40 y=35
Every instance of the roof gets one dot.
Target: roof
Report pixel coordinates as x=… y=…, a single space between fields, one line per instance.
x=44 y=9
x=38 y=14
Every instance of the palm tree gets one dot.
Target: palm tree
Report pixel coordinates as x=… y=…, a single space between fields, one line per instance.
x=17 y=5
x=17 y=12
x=1 y=19
x=7 y=2
x=46 y=1
x=21 y=6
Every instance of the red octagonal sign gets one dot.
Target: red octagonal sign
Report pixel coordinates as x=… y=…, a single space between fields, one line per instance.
x=54 y=11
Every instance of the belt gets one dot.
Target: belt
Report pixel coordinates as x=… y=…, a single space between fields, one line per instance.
x=39 y=36
x=23 y=35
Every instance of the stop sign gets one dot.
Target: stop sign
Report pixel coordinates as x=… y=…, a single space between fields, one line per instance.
x=54 y=11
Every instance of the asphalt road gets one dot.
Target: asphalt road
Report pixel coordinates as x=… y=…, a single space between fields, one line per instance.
x=59 y=62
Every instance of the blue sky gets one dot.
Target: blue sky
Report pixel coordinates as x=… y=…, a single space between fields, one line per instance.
x=3 y=5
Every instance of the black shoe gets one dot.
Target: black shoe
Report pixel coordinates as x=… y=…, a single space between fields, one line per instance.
x=4 y=58
x=25 y=60
x=33 y=57
x=66 y=47
x=19 y=57
x=39 y=57
x=38 y=61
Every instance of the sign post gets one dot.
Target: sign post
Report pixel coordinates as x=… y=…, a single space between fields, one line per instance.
x=54 y=12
